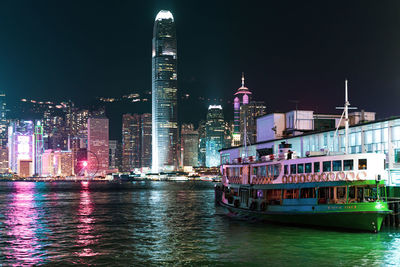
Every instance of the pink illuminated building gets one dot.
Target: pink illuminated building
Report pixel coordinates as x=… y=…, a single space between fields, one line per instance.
x=98 y=154
x=242 y=97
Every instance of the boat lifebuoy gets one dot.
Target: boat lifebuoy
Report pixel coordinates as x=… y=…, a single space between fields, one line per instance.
x=350 y=176
x=361 y=175
x=284 y=179
x=309 y=178
x=302 y=179
x=331 y=176
x=323 y=177
x=340 y=176
x=315 y=177
x=290 y=179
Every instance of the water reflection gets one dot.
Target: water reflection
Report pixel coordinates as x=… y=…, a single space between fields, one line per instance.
x=21 y=222
x=86 y=239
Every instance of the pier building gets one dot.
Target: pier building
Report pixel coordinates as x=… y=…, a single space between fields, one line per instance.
x=307 y=131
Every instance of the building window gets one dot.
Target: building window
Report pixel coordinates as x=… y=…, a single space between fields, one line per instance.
x=362 y=164
x=397 y=155
x=285 y=169
x=337 y=165
x=326 y=166
x=348 y=165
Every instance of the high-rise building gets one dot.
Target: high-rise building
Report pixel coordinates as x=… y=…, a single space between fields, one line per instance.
x=130 y=141
x=248 y=123
x=136 y=141
x=242 y=97
x=113 y=154
x=215 y=133
x=4 y=160
x=146 y=126
x=3 y=120
x=97 y=146
x=202 y=143
x=164 y=93
x=21 y=147
x=189 y=145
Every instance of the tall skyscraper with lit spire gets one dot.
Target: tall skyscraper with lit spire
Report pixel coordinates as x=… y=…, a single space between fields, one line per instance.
x=242 y=97
x=164 y=94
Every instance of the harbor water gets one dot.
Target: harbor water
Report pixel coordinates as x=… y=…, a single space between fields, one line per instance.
x=164 y=223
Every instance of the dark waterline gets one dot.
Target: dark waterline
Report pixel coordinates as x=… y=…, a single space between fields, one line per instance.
x=163 y=223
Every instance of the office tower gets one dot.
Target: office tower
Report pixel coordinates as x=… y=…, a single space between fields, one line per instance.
x=242 y=97
x=21 y=148
x=146 y=125
x=97 y=146
x=215 y=133
x=202 y=143
x=248 y=115
x=113 y=157
x=164 y=93
x=57 y=163
x=4 y=160
x=228 y=130
x=3 y=120
x=189 y=145
x=136 y=141
x=130 y=141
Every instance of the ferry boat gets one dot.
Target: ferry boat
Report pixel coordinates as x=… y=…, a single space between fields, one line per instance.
x=346 y=191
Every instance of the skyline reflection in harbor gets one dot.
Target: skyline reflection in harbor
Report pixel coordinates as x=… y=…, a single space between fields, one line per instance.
x=163 y=223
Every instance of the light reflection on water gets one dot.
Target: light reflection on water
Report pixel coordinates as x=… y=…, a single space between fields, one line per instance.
x=161 y=223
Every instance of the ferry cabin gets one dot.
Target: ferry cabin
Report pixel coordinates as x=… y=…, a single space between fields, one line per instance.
x=341 y=179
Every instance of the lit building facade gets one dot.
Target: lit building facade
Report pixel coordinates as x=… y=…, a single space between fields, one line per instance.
x=215 y=133
x=248 y=115
x=164 y=94
x=202 y=144
x=57 y=163
x=130 y=141
x=242 y=97
x=3 y=120
x=369 y=137
x=21 y=147
x=146 y=139
x=113 y=154
x=189 y=145
x=98 y=150
x=4 y=160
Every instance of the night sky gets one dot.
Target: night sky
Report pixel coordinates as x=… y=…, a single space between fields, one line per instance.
x=289 y=50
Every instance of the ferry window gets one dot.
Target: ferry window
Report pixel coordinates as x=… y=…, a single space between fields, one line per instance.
x=352 y=192
x=270 y=170
x=307 y=193
x=308 y=168
x=254 y=170
x=263 y=171
x=337 y=165
x=276 y=170
x=316 y=167
x=341 y=192
x=293 y=169
x=348 y=165
x=362 y=164
x=300 y=168
x=291 y=193
x=326 y=166
x=285 y=169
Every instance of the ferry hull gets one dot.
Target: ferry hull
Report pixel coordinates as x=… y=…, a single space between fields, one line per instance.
x=357 y=220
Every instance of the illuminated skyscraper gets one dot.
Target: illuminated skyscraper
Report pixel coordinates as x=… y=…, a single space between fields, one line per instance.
x=189 y=145
x=97 y=146
x=215 y=135
x=242 y=97
x=164 y=94
x=3 y=120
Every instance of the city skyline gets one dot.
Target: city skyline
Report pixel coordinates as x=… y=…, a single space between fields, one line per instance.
x=305 y=53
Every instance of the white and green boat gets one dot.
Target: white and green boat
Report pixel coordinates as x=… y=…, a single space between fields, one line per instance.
x=346 y=191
